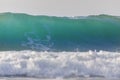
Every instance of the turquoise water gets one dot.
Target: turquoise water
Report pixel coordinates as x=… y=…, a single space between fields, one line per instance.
x=50 y=33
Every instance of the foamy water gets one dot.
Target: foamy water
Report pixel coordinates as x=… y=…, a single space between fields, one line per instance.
x=60 y=64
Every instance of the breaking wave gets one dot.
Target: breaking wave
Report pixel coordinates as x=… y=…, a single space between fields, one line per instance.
x=50 y=33
x=60 y=64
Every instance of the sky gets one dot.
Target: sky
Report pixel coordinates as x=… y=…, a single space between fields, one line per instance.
x=61 y=7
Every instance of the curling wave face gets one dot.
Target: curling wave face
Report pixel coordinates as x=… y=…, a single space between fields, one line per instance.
x=50 y=33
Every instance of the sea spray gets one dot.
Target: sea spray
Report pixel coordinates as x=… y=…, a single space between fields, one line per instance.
x=60 y=64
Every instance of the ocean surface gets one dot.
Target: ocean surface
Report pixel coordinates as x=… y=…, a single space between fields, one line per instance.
x=49 y=33
x=59 y=47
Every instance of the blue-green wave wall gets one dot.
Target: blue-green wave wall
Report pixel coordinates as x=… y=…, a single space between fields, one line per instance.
x=27 y=32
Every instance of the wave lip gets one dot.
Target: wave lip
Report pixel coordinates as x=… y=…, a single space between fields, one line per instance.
x=60 y=64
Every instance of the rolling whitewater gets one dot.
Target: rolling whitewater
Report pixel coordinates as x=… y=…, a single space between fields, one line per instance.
x=59 y=47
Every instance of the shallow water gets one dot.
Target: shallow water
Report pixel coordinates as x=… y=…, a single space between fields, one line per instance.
x=21 y=78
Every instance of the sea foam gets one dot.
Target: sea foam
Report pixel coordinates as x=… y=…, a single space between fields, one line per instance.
x=60 y=64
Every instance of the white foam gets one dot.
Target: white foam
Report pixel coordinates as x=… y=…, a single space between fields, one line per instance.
x=60 y=64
